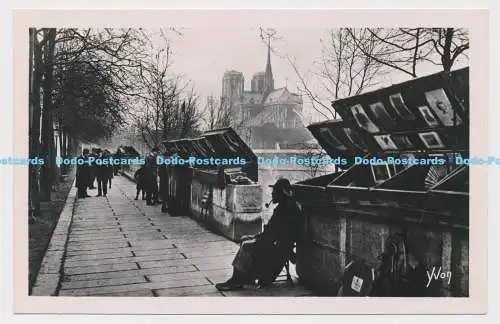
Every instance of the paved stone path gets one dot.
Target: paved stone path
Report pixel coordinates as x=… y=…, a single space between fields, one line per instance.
x=118 y=246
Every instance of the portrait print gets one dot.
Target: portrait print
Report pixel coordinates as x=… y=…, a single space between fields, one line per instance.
x=428 y=116
x=431 y=140
x=402 y=142
x=382 y=116
x=385 y=142
x=380 y=172
x=400 y=107
x=327 y=135
x=355 y=140
x=363 y=120
x=441 y=106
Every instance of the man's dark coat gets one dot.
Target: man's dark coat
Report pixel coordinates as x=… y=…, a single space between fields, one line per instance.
x=265 y=258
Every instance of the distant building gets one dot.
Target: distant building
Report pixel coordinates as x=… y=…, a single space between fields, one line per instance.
x=265 y=117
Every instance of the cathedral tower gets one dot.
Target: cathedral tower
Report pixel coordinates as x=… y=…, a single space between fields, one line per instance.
x=268 y=74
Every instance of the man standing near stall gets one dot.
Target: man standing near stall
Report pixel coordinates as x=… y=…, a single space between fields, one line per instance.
x=164 y=183
x=83 y=175
x=151 y=178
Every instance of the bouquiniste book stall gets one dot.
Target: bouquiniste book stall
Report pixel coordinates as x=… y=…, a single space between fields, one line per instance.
x=223 y=194
x=350 y=214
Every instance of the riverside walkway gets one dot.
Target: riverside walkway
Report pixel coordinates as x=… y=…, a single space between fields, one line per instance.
x=118 y=246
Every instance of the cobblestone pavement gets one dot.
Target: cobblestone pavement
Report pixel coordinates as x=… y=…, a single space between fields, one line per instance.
x=118 y=246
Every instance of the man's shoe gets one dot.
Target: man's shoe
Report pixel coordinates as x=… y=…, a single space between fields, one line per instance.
x=231 y=284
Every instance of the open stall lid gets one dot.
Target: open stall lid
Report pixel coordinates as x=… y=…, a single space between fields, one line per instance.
x=227 y=144
x=224 y=144
x=421 y=116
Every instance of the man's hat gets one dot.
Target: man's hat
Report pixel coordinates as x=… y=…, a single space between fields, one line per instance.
x=284 y=185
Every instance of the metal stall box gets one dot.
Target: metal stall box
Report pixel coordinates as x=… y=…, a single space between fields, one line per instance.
x=223 y=191
x=400 y=145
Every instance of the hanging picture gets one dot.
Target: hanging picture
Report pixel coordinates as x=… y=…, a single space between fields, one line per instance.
x=428 y=116
x=327 y=135
x=431 y=140
x=441 y=106
x=363 y=120
x=355 y=140
x=382 y=117
x=385 y=142
x=400 y=107
x=380 y=172
x=402 y=142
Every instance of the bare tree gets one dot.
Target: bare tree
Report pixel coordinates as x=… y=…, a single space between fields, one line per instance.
x=341 y=71
x=217 y=113
x=159 y=90
x=168 y=106
x=403 y=49
x=188 y=115
x=55 y=56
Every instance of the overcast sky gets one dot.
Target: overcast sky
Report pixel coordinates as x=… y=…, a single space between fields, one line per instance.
x=204 y=54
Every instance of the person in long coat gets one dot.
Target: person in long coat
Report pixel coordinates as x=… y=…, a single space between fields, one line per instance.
x=93 y=167
x=151 y=178
x=83 y=175
x=164 y=183
x=104 y=173
x=262 y=257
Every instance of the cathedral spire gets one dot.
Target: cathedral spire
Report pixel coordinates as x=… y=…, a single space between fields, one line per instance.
x=268 y=78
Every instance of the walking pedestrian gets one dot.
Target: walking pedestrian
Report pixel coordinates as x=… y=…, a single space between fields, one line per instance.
x=151 y=178
x=104 y=172
x=83 y=175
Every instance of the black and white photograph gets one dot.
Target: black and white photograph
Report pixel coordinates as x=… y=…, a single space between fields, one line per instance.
x=382 y=116
x=331 y=139
x=428 y=116
x=363 y=120
x=385 y=142
x=134 y=219
x=380 y=173
x=355 y=139
x=402 y=142
x=431 y=140
x=399 y=105
x=441 y=106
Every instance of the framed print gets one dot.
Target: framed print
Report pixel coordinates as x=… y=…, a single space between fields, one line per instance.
x=333 y=141
x=428 y=116
x=363 y=120
x=380 y=172
x=441 y=106
x=385 y=142
x=431 y=140
x=400 y=107
x=381 y=115
x=355 y=140
x=402 y=142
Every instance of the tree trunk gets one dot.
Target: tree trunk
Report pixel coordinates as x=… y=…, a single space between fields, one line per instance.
x=446 y=58
x=64 y=151
x=36 y=72
x=47 y=172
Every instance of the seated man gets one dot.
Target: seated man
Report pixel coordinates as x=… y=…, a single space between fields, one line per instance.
x=263 y=257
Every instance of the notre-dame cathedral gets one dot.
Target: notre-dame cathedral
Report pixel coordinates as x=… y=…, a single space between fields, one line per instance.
x=265 y=117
